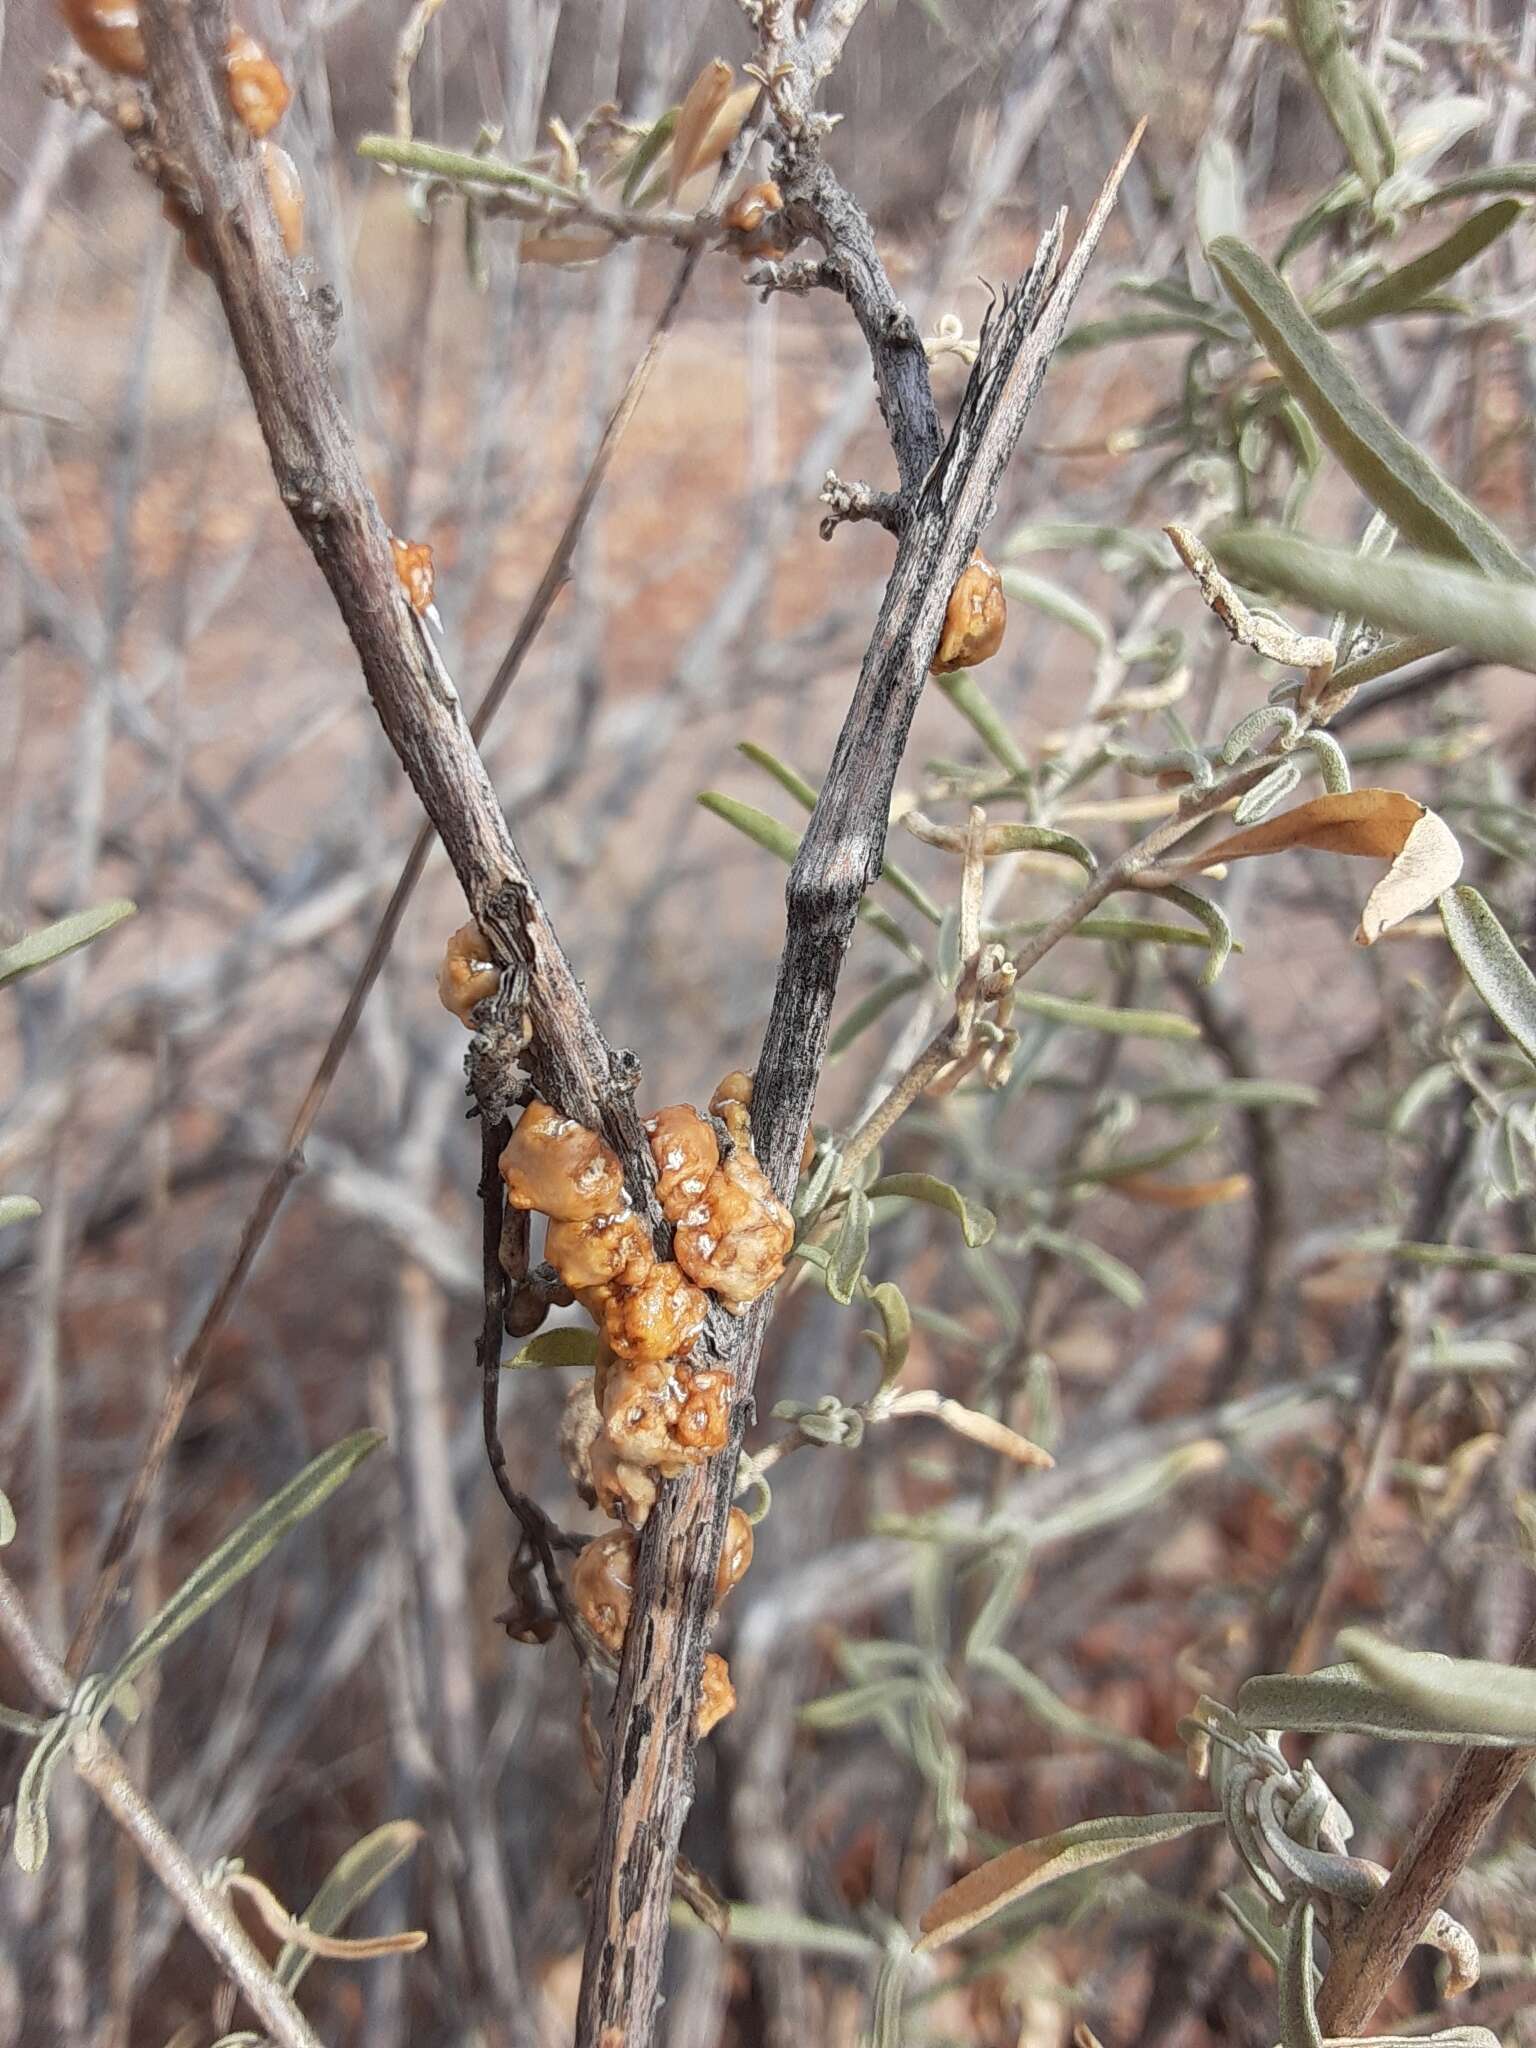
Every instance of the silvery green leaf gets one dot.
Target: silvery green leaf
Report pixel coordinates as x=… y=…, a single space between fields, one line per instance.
x=1236 y=1095
x=947 y=962
x=1416 y=594
x=645 y=153
x=985 y=1891
x=1116 y=546
x=240 y=1552
x=977 y=1222
x=1318 y=33
x=851 y=1248
x=1057 y=603
x=1218 y=933
x=1149 y=326
x=1251 y=1916
x=784 y=842
x=791 y=780
x=1391 y=471
x=1404 y=289
x=1464 y=1259
x=1266 y=795
x=39 y=948
x=1331 y=759
x=1342 y=1699
x=1519 y=180
x=29 y=1837
x=1104 y=1017
x=1041 y=1704
x=894 y=1339
x=1219 y=203
x=355 y=1876
x=572 y=1344
x=7 y=1522
x=18 y=1209
x=1112 y=1274
x=1469 y=1698
x=861 y=1703
x=1122 y=1163
x=872 y=1007
x=1491 y=963
x=1431 y=1086
x=1468 y=1354
x=975 y=707
x=1298 y=1996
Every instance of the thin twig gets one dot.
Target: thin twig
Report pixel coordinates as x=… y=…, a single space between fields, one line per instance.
x=206 y=1912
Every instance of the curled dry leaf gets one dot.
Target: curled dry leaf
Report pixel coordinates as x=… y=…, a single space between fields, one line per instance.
x=1382 y=824
x=968 y=1422
x=1268 y=636
x=564 y=251
x=704 y=102
x=985 y=1891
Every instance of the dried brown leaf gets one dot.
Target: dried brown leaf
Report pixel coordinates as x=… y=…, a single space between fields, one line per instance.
x=564 y=249
x=1427 y=866
x=704 y=101
x=1380 y=824
x=1181 y=1194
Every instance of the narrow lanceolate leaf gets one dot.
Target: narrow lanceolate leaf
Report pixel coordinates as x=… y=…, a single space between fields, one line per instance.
x=1342 y=1699
x=1000 y=839
x=1101 y=1017
x=893 y=1340
x=241 y=1552
x=850 y=1250
x=355 y=1876
x=783 y=841
x=1269 y=794
x=7 y=1522
x=18 y=1209
x=1298 y=1995
x=1020 y=1871
x=1218 y=932
x=1491 y=963
x=1112 y=1274
x=38 y=948
x=1348 y=97
x=646 y=151
x=1420 y=595
x=1401 y=290
x=790 y=779
x=1220 y=208
x=1517 y=179
x=1463 y=1695
x=870 y=1008
x=1386 y=465
x=575 y=1345
x=29 y=1835
x=1057 y=603
x=977 y=1223
x=1463 y=1259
